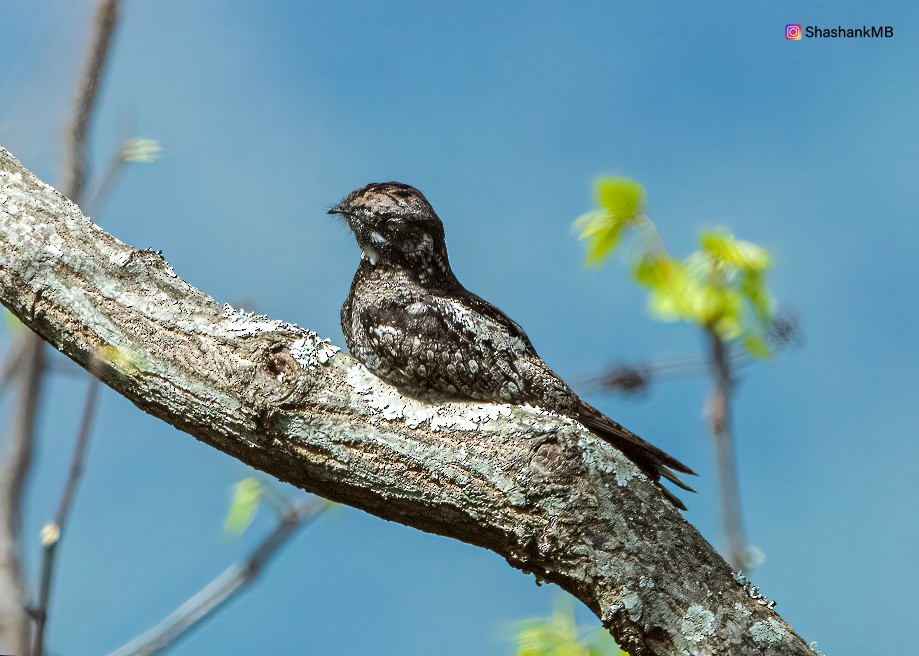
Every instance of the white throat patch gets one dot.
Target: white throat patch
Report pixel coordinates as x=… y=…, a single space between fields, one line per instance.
x=368 y=253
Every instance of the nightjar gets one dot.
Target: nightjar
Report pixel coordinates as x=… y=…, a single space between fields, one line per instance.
x=410 y=322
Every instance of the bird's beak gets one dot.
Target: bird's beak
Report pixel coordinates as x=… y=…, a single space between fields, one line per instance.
x=337 y=209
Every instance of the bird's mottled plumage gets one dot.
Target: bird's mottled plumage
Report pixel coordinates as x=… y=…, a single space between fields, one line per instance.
x=410 y=321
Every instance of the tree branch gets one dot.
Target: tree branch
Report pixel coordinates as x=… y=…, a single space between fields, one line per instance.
x=15 y=624
x=87 y=92
x=538 y=489
x=51 y=533
x=218 y=592
x=75 y=159
x=719 y=411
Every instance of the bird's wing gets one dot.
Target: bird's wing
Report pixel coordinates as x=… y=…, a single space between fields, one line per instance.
x=465 y=346
x=484 y=308
x=562 y=399
x=441 y=343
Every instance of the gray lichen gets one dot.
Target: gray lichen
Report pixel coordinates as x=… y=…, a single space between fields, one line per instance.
x=392 y=406
x=769 y=631
x=697 y=624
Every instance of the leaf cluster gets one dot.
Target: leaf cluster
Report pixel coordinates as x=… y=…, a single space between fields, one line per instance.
x=720 y=287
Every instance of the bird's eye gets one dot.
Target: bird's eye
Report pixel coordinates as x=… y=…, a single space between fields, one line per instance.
x=387 y=221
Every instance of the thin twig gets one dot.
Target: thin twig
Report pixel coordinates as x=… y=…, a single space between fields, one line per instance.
x=112 y=173
x=631 y=379
x=719 y=411
x=10 y=368
x=59 y=365
x=51 y=533
x=218 y=592
x=15 y=624
x=87 y=93
x=75 y=159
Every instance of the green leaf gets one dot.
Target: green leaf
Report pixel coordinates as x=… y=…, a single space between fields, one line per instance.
x=246 y=496
x=622 y=203
x=601 y=234
x=657 y=271
x=753 y=257
x=622 y=199
x=726 y=251
x=12 y=323
x=559 y=635
x=754 y=289
x=757 y=347
x=141 y=151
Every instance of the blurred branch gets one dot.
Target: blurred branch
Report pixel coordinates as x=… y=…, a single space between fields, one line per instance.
x=540 y=491
x=143 y=151
x=719 y=412
x=15 y=623
x=205 y=603
x=51 y=534
x=631 y=379
x=10 y=367
x=636 y=379
x=87 y=93
x=32 y=371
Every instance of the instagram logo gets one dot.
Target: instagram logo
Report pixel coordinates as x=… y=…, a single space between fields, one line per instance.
x=792 y=32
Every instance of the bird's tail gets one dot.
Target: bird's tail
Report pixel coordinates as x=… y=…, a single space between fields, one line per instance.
x=656 y=464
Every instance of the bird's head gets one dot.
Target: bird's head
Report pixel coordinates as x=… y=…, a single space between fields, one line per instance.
x=395 y=224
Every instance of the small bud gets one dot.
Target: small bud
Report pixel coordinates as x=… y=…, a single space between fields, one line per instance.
x=50 y=534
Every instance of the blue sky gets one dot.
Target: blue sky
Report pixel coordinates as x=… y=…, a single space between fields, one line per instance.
x=503 y=114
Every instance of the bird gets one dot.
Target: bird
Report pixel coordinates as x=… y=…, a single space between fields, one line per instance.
x=410 y=321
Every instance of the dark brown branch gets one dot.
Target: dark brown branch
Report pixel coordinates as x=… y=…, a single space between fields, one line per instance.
x=234 y=580
x=538 y=489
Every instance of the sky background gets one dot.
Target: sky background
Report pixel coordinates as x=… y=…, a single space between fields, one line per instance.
x=503 y=114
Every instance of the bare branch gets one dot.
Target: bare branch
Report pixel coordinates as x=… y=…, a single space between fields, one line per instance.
x=51 y=534
x=131 y=150
x=538 y=489
x=74 y=179
x=10 y=367
x=191 y=614
x=15 y=623
x=87 y=92
x=719 y=412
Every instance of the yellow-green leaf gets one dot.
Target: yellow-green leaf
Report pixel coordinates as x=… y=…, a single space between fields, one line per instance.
x=757 y=347
x=726 y=251
x=601 y=234
x=12 y=323
x=754 y=289
x=622 y=203
x=246 y=496
x=622 y=199
x=559 y=635
x=753 y=257
x=141 y=151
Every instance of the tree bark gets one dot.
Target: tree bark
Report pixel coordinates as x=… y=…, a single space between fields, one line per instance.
x=535 y=488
